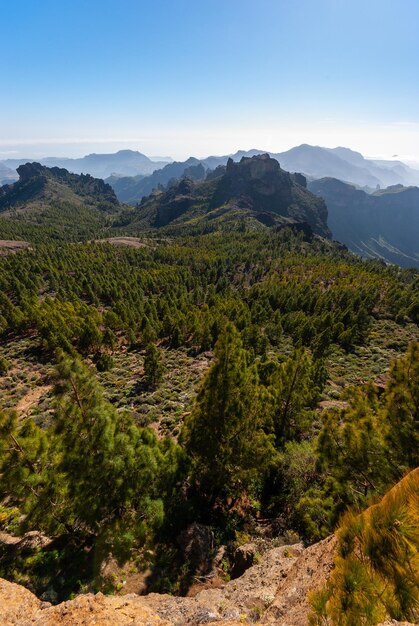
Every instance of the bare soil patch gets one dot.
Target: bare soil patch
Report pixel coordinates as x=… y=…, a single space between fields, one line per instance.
x=8 y=246
x=133 y=242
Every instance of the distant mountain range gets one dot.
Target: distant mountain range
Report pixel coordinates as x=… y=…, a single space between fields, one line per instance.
x=252 y=193
x=7 y=175
x=382 y=225
x=312 y=161
x=122 y=163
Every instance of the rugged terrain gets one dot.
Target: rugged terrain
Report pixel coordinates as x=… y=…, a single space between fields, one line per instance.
x=271 y=592
x=383 y=225
x=274 y=591
x=254 y=192
x=51 y=202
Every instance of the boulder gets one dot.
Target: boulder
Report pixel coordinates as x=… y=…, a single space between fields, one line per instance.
x=244 y=557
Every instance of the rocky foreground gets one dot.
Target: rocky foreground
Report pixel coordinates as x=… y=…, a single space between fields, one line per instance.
x=271 y=592
x=274 y=591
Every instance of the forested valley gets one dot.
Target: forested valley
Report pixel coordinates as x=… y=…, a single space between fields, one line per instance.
x=257 y=383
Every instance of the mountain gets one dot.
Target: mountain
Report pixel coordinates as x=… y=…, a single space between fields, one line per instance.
x=7 y=175
x=346 y=165
x=66 y=205
x=255 y=191
x=318 y=162
x=341 y=163
x=382 y=225
x=133 y=189
x=313 y=161
x=122 y=163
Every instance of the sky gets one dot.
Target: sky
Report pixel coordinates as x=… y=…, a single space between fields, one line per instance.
x=200 y=77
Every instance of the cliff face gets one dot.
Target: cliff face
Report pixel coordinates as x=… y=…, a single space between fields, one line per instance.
x=381 y=225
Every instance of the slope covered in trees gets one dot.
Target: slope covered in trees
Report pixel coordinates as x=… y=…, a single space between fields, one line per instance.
x=268 y=309
x=269 y=318
x=50 y=203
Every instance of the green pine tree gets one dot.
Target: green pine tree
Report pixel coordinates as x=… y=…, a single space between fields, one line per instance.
x=153 y=366
x=225 y=435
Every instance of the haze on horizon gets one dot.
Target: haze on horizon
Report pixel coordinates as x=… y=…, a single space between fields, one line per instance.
x=209 y=77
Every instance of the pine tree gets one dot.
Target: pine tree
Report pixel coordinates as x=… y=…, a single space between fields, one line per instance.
x=224 y=434
x=401 y=410
x=153 y=366
x=109 y=466
x=293 y=393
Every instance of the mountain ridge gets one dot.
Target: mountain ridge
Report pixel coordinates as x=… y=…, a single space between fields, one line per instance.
x=128 y=162
x=255 y=190
x=381 y=225
x=65 y=204
x=313 y=161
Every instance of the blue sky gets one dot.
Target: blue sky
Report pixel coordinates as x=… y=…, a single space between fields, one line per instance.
x=181 y=77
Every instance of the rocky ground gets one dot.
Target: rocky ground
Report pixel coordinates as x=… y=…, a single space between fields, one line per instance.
x=271 y=592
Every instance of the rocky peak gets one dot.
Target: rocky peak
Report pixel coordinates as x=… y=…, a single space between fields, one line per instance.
x=81 y=184
x=260 y=183
x=31 y=170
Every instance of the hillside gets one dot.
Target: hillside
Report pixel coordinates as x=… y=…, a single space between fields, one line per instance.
x=255 y=192
x=383 y=225
x=52 y=202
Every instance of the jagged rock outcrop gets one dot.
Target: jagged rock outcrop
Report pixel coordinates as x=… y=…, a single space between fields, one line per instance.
x=255 y=192
x=261 y=184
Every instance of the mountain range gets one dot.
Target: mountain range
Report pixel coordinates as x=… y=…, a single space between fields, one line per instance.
x=252 y=193
x=384 y=224
x=122 y=163
x=313 y=161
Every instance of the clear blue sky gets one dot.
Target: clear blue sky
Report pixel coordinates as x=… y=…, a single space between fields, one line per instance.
x=187 y=77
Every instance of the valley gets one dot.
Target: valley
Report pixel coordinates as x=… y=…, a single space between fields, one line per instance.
x=207 y=364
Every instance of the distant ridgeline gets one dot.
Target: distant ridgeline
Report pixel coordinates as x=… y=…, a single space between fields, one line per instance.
x=384 y=224
x=187 y=198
